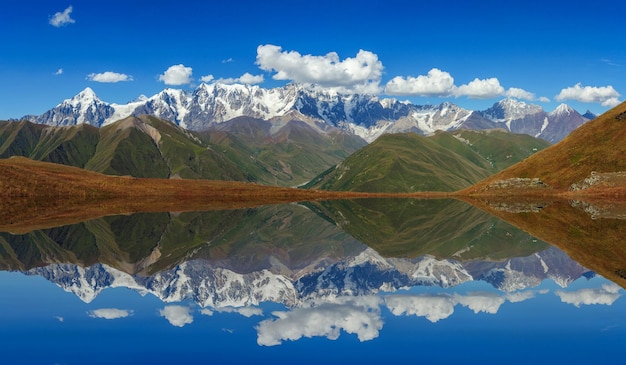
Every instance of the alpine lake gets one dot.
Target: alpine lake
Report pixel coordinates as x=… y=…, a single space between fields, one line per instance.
x=398 y=281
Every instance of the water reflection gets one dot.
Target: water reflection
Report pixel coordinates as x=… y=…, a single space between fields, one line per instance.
x=314 y=270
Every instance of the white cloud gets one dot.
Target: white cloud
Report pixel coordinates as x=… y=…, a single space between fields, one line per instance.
x=109 y=77
x=606 y=295
x=62 y=18
x=207 y=78
x=432 y=307
x=110 y=313
x=436 y=83
x=361 y=74
x=605 y=95
x=59 y=72
x=177 y=315
x=206 y=312
x=544 y=99
x=518 y=93
x=246 y=78
x=357 y=315
x=244 y=311
x=60 y=319
x=177 y=75
x=481 y=89
x=228 y=60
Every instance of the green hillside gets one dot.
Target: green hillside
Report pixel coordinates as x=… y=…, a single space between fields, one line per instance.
x=442 y=162
x=72 y=146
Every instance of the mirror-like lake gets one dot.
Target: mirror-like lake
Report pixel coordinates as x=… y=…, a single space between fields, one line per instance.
x=369 y=281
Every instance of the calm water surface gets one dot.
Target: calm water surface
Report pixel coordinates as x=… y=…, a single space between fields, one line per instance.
x=367 y=281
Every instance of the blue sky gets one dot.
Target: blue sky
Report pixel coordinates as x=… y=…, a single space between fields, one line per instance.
x=472 y=53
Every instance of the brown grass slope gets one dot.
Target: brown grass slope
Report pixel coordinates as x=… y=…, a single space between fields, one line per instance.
x=599 y=145
x=36 y=194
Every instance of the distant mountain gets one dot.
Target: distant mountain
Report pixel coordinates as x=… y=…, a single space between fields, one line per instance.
x=598 y=146
x=243 y=149
x=442 y=162
x=364 y=115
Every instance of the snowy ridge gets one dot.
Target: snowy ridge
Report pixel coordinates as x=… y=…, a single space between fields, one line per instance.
x=364 y=115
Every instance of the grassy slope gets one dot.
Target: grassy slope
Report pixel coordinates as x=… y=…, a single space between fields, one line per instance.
x=442 y=162
x=404 y=163
x=599 y=145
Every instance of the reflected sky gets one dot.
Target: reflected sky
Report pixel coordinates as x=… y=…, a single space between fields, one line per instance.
x=584 y=322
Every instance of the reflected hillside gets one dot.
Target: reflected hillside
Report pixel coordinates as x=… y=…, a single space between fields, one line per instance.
x=246 y=239
x=590 y=233
x=289 y=254
x=438 y=227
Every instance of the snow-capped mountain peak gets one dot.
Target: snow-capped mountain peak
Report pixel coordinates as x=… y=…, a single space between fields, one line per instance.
x=85 y=97
x=510 y=109
x=563 y=109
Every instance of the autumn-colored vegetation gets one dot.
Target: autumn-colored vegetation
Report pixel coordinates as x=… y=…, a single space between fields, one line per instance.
x=40 y=194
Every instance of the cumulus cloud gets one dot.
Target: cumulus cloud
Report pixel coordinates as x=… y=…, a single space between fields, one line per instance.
x=518 y=93
x=110 y=313
x=605 y=95
x=207 y=78
x=544 y=99
x=441 y=84
x=206 y=312
x=246 y=78
x=433 y=307
x=177 y=315
x=436 y=83
x=606 y=295
x=109 y=77
x=361 y=74
x=60 y=19
x=481 y=89
x=59 y=72
x=360 y=316
x=177 y=75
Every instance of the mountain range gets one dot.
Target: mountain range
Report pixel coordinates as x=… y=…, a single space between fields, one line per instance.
x=364 y=115
x=242 y=149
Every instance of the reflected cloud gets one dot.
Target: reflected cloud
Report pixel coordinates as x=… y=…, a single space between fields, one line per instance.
x=177 y=315
x=359 y=315
x=606 y=295
x=481 y=302
x=441 y=306
x=244 y=311
x=109 y=313
x=432 y=307
x=521 y=296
